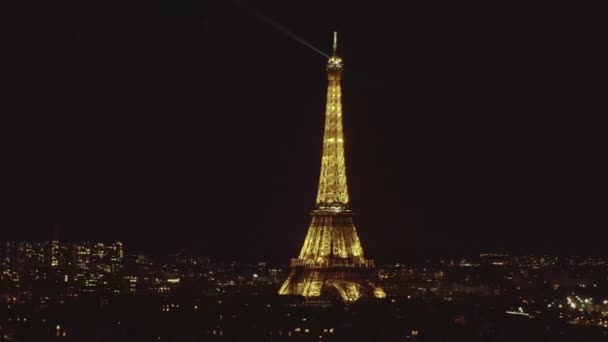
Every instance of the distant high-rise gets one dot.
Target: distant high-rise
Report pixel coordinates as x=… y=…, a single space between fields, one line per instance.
x=331 y=259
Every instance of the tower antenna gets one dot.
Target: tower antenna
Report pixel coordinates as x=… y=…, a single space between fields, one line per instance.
x=335 y=41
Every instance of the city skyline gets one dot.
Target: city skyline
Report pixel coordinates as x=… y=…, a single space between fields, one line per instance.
x=224 y=171
x=41 y=284
x=207 y=125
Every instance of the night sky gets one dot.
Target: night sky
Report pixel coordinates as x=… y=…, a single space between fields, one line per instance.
x=199 y=126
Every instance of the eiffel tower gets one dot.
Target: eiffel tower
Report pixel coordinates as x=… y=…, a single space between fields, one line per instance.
x=331 y=261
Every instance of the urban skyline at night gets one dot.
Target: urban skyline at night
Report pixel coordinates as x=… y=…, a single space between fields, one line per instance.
x=226 y=172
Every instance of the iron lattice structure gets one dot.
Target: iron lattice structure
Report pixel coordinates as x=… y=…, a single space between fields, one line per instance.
x=332 y=257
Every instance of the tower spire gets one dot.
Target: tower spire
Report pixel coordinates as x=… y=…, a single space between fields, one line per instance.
x=335 y=42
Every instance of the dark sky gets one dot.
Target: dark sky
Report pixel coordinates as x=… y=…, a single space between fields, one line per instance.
x=196 y=125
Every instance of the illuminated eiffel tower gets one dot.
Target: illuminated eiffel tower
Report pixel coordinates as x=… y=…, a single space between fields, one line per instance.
x=331 y=260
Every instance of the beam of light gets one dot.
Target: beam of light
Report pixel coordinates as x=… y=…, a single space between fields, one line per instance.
x=259 y=15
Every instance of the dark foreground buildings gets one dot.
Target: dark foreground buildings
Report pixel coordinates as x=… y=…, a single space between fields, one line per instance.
x=54 y=291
